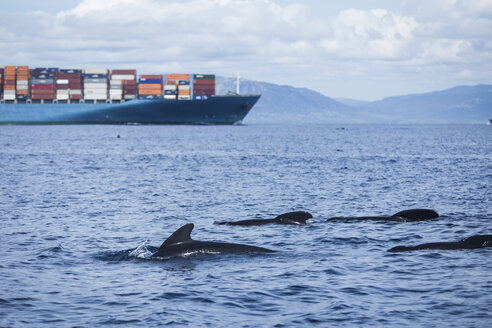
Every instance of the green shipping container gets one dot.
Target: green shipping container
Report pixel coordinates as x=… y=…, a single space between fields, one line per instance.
x=204 y=76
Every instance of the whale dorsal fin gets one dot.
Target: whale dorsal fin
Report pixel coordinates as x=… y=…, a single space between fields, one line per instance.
x=298 y=217
x=417 y=214
x=180 y=235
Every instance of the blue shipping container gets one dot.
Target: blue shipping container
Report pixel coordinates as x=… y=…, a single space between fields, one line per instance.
x=148 y=81
x=70 y=70
x=94 y=76
x=53 y=69
x=149 y=97
x=200 y=97
x=42 y=81
x=42 y=75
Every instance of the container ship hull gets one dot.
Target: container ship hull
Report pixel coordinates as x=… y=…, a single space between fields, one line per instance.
x=228 y=109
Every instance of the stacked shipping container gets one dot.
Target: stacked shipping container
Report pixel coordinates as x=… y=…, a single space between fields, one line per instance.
x=1 y=82
x=95 y=84
x=43 y=83
x=22 y=82
x=69 y=84
x=177 y=85
x=203 y=85
x=123 y=84
x=9 y=83
x=150 y=87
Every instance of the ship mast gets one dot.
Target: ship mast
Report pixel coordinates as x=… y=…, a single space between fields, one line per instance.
x=237 y=83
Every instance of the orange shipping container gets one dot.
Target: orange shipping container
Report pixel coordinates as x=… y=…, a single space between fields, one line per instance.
x=151 y=76
x=22 y=92
x=177 y=77
x=149 y=92
x=183 y=92
x=9 y=87
x=150 y=86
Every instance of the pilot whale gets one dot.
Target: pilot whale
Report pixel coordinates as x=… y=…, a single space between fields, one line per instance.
x=403 y=216
x=181 y=244
x=293 y=218
x=473 y=242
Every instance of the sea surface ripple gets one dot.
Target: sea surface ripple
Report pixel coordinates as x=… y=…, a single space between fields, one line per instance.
x=81 y=210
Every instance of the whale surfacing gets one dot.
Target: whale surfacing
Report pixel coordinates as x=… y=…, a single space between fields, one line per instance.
x=472 y=242
x=181 y=244
x=412 y=215
x=292 y=218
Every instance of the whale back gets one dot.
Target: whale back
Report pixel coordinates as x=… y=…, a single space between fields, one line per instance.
x=479 y=241
x=181 y=235
x=419 y=214
x=298 y=217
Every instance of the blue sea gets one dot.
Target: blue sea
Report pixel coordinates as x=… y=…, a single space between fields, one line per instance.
x=81 y=209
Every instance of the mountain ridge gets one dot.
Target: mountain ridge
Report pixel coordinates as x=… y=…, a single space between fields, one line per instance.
x=288 y=104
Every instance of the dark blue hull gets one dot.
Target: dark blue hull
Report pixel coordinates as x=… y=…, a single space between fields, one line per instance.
x=214 y=110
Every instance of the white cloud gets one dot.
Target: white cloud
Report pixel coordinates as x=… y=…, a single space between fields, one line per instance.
x=262 y=39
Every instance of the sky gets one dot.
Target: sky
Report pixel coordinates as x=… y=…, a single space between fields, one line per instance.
x=358 y=49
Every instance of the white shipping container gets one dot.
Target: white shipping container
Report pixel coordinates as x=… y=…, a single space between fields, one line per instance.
x=115 y=82
x=9 y=92
x=61 y=97
x=169 y=97
x=184 y=97
x=22 y=83
x=95 y=92
x=62 y=92
x=129 y=97
x=115 y=92
x=95 y=97
x=96 y=71
x=9 y=97
x=61 y=81
x=184 y=87
x=170 y=87
x=75 y=91
x=116 y=97
x=95 y=86
x=123 y=77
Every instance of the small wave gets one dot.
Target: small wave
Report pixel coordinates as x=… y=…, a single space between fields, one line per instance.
x=141 y=252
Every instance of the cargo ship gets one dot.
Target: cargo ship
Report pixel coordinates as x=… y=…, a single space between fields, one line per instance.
x=100 y=96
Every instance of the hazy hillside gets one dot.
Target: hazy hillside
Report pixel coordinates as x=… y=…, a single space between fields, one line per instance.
x=282 y=103
x=463 y=104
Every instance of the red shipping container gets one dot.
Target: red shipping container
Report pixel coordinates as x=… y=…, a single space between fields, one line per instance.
x=39 y=97
x=69 y=75
x=151 y=76
x=75 y=97
x=124 y=71
x=62 y=86
x=42 y=87
x=203 y=82
x=39 y=91
x=202 y=90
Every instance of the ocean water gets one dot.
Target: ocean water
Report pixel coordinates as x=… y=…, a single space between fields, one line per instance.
x=81 y=210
